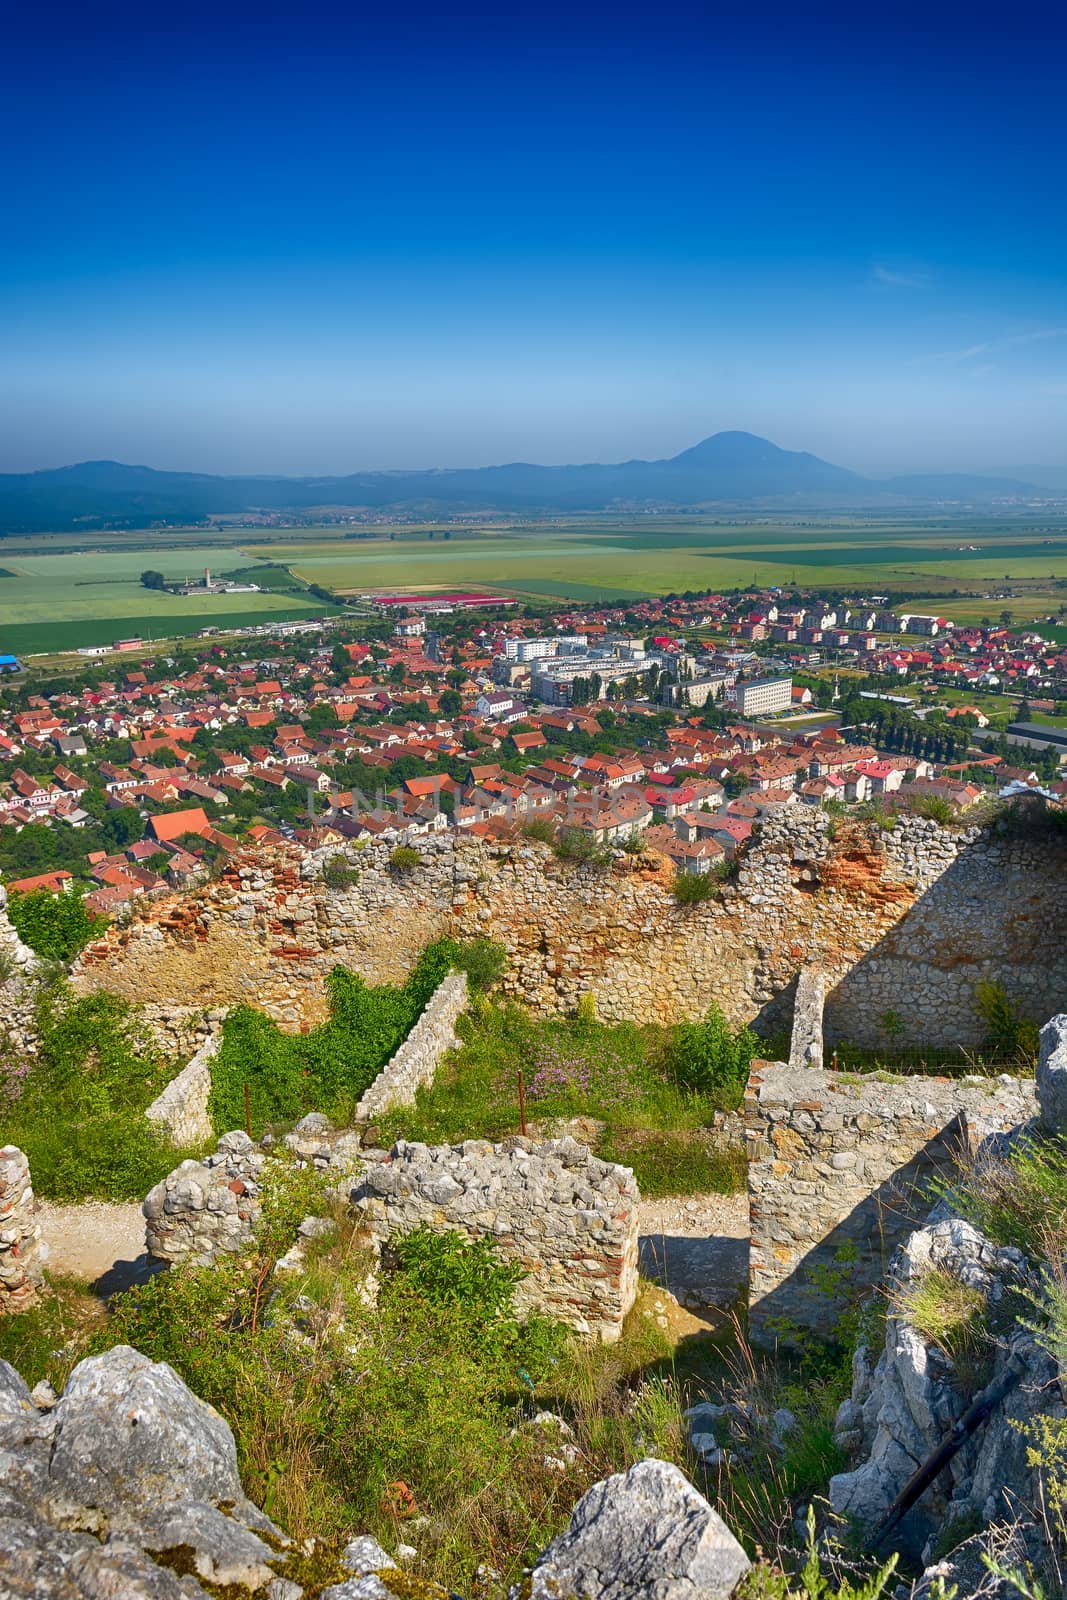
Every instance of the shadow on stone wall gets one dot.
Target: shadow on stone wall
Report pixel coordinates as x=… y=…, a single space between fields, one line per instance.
x=993 y=909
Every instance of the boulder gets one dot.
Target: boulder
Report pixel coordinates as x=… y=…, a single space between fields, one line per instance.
x=1052 y=1074
x=130 y=1439
x=640 y=1534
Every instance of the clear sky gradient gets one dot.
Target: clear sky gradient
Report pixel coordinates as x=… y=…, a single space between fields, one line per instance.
x=308 y=239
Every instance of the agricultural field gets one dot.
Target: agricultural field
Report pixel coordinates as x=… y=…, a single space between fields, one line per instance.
x=598 y=560
x=72 y=598
x=58 y=594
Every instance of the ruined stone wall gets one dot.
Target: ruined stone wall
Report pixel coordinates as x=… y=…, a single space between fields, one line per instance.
x=839 y=1172
x=21 y=1257
x=904 y=922
x=415 y=1062
x=563 y=1215
x=181 y=1110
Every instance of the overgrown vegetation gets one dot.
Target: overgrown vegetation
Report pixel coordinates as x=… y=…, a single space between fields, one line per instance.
x=1009 y=1033
x=55 y=926
x=351 y=1418
x=711 y=1058
x=77 y=1109
x=327 y=1069
x=624 y=1079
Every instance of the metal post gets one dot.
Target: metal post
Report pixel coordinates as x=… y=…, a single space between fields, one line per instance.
x=522 y=1104
x=248 y=1113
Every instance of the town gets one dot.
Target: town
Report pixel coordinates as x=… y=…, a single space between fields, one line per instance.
x=675 y=725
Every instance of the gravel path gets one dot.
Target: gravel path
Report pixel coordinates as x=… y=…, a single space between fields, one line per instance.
x=696 y=1246
x=99 y=1242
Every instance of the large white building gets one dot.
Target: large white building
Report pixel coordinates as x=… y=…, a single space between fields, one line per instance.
x=762 y=697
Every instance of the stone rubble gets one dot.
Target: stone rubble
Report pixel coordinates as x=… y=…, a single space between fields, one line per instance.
x=128 y=1474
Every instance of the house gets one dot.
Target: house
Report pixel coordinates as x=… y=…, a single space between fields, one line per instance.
x=58 y=882
x=169 y=826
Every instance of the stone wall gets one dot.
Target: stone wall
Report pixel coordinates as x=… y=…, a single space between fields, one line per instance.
x=415 y=1062
x=21 y=1252
x=566 y=1217
x=181 y=1030
x=206 y=1208
x=903 y=922
x=805 y=1045
x=182 y=1107
x=838 y=1174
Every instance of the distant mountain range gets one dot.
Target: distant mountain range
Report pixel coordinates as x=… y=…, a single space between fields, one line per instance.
x=727 y=469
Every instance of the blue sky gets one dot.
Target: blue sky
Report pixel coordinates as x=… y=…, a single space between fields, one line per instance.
x=256 y=241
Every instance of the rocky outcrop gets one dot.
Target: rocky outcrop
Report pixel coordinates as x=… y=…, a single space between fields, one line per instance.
x=21 y=1251
x=126 y=1472
x=129 y=1480
x=906 y=1398
x=1052 y=1075
x=641 y=1533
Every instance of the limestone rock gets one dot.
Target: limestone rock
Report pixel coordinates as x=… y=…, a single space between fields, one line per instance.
x=131 y=1438
x=646 y=1534
x=1052 y=1074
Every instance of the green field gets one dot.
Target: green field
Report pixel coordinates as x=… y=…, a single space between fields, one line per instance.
x=62 y=601
x=595 y=561
x=61 y=594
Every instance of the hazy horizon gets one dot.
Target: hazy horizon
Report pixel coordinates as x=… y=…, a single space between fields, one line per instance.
x=315 y=246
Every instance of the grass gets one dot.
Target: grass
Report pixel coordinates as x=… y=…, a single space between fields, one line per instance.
x=615 y=1075
x=77 y=1108
x=64 y=594
x=948 y=1313
x=355 y=1418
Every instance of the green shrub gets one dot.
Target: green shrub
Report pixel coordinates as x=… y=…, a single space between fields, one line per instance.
x=54 y=925
x=455 y=1273
x=575 y=844
x=711 y=1058
x=483 y=960
x=338 y=873
x=937 y=807
x=404 y=858
x=1008 y=1032
x=80 y=1114
x=689 y=888
x=327 y=1069
x=543 y=829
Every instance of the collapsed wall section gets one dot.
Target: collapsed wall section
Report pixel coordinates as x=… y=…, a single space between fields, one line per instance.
x=568 y=1219
x=839 y=1173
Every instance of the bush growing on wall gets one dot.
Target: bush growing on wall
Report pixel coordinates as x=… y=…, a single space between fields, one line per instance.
x=327 y=1069
x=54 y=926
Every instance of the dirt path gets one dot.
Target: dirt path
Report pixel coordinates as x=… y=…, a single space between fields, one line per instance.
x=697 y=1247
x=98 y=1242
